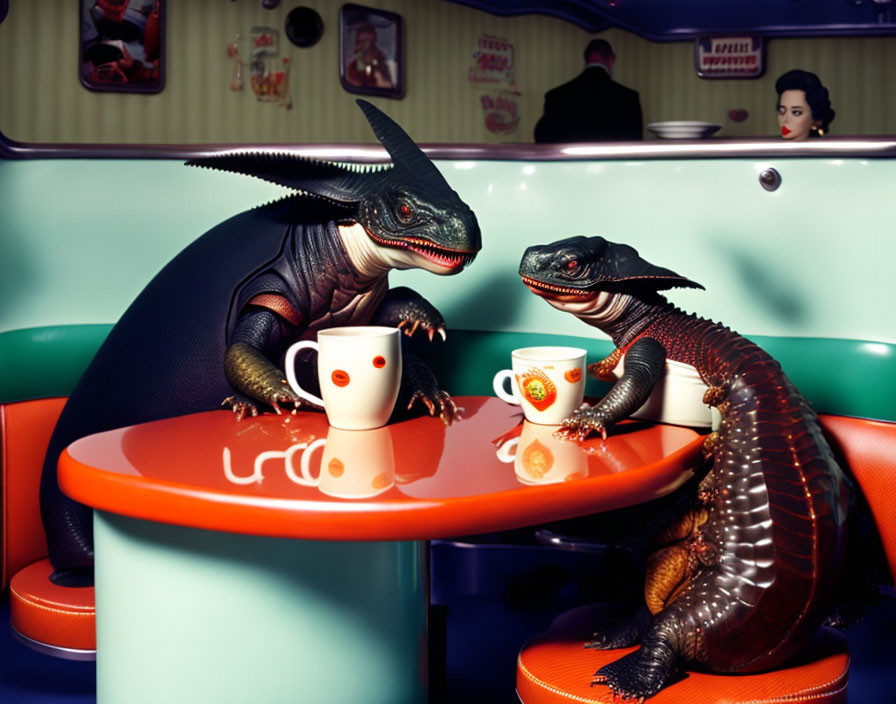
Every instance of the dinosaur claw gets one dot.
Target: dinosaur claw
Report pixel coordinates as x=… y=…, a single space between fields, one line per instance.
x=443 y=334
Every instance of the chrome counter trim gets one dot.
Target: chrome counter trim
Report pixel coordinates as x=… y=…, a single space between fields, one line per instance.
x=867 y=147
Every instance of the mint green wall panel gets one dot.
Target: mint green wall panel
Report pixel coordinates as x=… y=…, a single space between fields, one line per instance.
x=80 y=238
x=812 y=259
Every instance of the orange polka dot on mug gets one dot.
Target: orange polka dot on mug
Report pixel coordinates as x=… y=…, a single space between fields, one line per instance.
x=335 y=467
x=340 y=377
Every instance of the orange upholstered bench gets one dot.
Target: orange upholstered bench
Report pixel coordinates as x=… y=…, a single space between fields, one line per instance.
x=56 y=620
x=555 y=667
x=59 y=621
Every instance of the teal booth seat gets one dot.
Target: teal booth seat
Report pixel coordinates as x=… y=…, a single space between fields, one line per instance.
x=844 y=377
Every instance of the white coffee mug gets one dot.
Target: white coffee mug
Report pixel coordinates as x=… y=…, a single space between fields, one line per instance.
x=359 y=370
x=677 y=398
x=540 y=457
x=547 y=382
x=353 y=465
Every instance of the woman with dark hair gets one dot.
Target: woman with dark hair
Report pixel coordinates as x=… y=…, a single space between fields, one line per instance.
x=804 y=106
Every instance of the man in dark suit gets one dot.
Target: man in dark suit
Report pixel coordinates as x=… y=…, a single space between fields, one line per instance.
x=592 y=106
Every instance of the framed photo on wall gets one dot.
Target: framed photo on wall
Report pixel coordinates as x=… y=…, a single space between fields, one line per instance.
x=121 y=45
x=370 y=58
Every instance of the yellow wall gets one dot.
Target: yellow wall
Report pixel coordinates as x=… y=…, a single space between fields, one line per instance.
x=41 y=99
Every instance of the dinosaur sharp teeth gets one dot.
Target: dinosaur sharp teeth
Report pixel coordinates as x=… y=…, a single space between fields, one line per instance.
x=553 y=288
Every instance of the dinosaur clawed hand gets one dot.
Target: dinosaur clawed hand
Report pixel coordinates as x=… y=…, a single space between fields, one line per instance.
x=409 y=327
x=438 y=404
x=241 y=406
x=408 y=311
x=280 y=397
x=582 y=423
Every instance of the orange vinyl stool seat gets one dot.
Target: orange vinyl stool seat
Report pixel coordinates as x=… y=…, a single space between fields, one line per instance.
x=59 y=621
x=555 y=667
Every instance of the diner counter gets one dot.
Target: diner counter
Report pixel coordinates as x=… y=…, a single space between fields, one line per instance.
x=412 y=480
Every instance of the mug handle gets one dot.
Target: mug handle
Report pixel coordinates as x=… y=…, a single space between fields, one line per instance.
x=498 y=386
x=306 y=460
x=291 y=370
x=504 y=452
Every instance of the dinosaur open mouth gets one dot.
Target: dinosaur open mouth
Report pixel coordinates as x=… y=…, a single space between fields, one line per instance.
x=448 y=258
x=562 y=293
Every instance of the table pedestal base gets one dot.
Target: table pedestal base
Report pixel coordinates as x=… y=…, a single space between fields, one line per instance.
x=187 y=615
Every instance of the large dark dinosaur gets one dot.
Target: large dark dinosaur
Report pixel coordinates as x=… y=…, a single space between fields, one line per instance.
x=212 y=327
x=748 y=572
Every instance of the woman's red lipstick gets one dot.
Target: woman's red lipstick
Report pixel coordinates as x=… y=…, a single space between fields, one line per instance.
x=785 y=131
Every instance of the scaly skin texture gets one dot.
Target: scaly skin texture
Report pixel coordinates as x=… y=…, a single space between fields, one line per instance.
x=214 y=324
x=752 y=570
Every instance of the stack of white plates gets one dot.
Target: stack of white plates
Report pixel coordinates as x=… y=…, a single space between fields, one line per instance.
x=683 y=129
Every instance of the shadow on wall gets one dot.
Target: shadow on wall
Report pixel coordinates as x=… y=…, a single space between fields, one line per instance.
x=16 y=268
x=769 y=286
x=487 y=305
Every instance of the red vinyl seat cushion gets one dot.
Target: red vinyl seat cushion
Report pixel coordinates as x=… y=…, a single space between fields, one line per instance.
x=555 y=668
x=868 y=448
x=25 y=429
x=62 y=617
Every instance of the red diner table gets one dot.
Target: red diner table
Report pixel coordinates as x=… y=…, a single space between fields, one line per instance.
x=277 y=559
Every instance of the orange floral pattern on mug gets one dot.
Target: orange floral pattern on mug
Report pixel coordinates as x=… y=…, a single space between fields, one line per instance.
x=537 y=388
x=537 y=460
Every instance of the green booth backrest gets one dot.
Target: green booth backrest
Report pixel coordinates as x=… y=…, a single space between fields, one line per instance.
x=843 y=377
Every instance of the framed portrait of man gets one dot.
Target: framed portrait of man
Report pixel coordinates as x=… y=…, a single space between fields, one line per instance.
x=370 y=56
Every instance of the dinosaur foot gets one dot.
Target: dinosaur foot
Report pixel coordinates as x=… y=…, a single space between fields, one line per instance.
x=634 y=676
x=622 y=635
x=73 y=577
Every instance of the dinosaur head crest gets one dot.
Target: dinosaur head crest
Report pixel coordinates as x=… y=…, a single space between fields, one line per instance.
x=406 y=205
x=583 y=266
x=405 y=154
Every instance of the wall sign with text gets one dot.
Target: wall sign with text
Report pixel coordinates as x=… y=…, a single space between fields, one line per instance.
x=729 y=57
x=492 y=61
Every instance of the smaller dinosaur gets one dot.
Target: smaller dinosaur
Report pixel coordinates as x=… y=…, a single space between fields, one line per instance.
x=748 y=571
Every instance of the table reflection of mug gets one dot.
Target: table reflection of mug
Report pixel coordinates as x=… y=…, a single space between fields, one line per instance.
x=355 y=464
x=547 y=382
x=539 y=457
x=359 y=370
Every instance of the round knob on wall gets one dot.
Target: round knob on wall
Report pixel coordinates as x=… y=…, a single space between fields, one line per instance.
x=770 y=179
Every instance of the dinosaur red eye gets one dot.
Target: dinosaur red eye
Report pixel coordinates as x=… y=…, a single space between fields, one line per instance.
x=404 y=212
x=571 y=264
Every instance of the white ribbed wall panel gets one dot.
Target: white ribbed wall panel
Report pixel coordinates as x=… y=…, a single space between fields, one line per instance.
x=41 y=99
